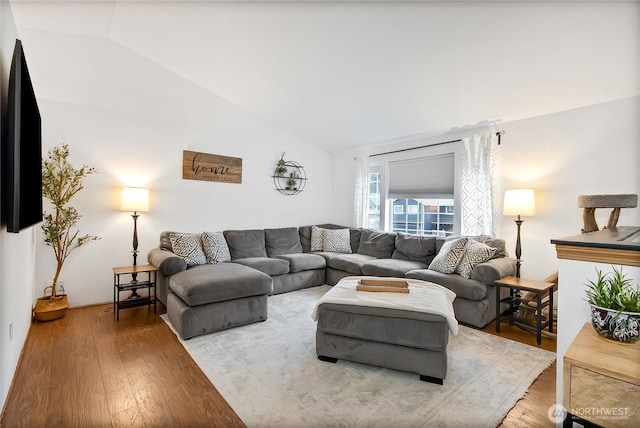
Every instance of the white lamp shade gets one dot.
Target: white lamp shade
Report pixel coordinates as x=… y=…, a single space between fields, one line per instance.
x=135 y=199
x=519 y=202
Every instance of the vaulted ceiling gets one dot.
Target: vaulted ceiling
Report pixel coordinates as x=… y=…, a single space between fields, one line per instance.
x=343 y=75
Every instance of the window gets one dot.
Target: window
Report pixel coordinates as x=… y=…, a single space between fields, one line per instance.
x=374 y=197
x=419 y=198
x=423 y=216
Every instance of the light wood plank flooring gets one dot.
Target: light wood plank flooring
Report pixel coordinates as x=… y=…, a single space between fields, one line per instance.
x=88 y=370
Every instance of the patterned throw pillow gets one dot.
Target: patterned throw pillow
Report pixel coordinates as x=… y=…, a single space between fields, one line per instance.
x=317 y=238
x=215 y=247
x=187 y=246
x=337 y=240
x=476 y=253
x=449 y=256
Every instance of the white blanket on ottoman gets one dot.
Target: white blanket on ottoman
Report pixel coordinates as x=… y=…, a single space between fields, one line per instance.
x=422 y=297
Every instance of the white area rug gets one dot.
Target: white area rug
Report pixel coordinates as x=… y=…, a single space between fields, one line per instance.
x=269 y=373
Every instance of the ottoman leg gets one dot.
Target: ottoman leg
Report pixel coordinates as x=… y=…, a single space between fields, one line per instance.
x=430 y=379
x=327 y=359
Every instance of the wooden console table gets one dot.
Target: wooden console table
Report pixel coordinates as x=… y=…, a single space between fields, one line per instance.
x=601 y=381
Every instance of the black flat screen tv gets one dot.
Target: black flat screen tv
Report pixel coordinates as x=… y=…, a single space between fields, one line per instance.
x=21 y=150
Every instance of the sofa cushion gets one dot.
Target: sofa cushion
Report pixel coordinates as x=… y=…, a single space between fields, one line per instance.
x=498 y=244
x=245 y=243
x=475 y=253
x=189 y=247
x=417 y=248
x=390 y=267
x=449 y=256
x=216 y=283
x=351 y=263
x=463 y=287
x=299 y=262
x=267 y=265
x=282 y=241
x=165 y=240
x=215 y=247
x=377 y=244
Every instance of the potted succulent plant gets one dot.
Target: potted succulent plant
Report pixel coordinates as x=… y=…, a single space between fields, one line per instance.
x=615 y=306
x=60 y=183
x=281 y=168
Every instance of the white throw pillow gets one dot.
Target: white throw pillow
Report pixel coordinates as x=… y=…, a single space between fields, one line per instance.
x=187 y=246
x=337 y=240
x=449 y=256
x=475 y=253
x=317 y=238
x=215 y=247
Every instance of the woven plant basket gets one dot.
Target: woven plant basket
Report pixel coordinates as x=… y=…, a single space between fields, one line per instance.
x=49 y=308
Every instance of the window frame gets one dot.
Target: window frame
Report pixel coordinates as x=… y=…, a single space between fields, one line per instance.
x=382 y=165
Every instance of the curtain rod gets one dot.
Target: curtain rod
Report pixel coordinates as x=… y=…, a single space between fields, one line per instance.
x=499 y=134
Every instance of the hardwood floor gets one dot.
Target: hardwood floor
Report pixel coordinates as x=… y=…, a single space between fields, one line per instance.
x=88 y=370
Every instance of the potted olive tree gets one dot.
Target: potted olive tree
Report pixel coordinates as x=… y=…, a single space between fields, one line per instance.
x=615 y=306
x=61 y=181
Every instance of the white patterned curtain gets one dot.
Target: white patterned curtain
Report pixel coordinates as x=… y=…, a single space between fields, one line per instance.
x=478 y=184
x=361 y=197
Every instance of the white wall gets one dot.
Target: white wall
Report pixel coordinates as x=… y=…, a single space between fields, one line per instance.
x=139 y=142
x=17 y=251
x=591 y=150
x=148 y=117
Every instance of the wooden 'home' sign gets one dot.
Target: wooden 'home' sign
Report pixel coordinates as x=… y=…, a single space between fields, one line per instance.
x=208 y=167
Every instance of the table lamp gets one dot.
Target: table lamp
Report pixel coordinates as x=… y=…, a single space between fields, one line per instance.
x=519 y=202
x=135 y=199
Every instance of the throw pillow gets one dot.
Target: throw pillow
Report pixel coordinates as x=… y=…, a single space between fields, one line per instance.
x=449 y=256
x=215 y=247
x=475 y=253
x=336 y=240
x=187 y=246
x=317 y=238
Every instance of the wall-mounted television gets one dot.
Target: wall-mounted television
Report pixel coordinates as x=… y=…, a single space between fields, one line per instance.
x=21 y=150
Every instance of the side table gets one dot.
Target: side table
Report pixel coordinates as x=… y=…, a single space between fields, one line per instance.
x=601 y=381
x=537 y=287
x=133 y=285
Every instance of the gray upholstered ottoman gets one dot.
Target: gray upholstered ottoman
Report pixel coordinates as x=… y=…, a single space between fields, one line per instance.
x=214 y=297
x=378 y=329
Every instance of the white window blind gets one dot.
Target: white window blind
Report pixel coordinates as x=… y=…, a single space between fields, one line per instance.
x=422 y=178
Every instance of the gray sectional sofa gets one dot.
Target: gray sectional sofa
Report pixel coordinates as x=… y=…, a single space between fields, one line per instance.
x=204 y=297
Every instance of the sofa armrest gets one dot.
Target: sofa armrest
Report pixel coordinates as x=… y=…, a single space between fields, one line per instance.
x=494 y=269
x=166 y=261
